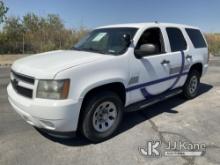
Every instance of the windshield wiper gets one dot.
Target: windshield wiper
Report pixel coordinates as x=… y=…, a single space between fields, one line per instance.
x=93 y=50
x=74 y=48
x=88 y=50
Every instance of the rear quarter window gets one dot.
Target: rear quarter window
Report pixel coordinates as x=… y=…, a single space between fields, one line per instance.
x=196 y=37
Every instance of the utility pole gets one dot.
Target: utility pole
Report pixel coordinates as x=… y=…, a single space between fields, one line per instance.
x=23 y=44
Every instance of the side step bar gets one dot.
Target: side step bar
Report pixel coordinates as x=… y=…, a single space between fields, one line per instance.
x=155 y=99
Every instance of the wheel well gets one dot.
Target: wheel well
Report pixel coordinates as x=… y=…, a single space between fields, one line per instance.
x=116 y=87
x=197 y=67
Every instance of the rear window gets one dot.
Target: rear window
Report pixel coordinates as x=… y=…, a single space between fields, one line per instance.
x=177 y=40
x=196 y=38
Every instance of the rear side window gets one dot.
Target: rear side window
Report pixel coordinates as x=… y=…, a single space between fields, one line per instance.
x=196 y=38
x=177 y=40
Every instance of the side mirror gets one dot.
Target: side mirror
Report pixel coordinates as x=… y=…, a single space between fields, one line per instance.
x=127 y=39
x=145 y=50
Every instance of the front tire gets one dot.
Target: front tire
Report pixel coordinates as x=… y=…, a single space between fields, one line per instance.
x=102 y=115
x=191 y=87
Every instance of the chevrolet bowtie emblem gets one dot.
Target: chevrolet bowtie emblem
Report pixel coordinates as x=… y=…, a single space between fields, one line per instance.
x=15 y=82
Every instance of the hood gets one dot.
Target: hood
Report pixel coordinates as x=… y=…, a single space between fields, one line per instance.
x=46 y=65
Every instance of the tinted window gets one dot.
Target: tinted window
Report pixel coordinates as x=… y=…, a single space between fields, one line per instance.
x=196 y=38
x=177 y=40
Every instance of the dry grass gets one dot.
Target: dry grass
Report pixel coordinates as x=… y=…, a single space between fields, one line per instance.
x=213 y=40
x=9 y=59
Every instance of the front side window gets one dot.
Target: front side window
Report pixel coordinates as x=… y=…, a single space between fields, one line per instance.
x=152 y=36
x=106 y=41
x=176 y=38
x=196 y=38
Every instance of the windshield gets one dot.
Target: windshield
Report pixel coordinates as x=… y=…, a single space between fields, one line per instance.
x=106 y=41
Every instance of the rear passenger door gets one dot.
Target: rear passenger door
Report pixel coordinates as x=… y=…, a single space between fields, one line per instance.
x=179 y=54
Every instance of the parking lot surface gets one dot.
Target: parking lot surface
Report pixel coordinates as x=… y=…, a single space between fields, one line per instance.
x=194 y=121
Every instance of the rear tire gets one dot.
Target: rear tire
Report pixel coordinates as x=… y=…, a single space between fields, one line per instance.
x=102 y=114
x=191 y=86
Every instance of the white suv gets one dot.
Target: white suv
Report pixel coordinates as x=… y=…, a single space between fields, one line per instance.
x=114 y=69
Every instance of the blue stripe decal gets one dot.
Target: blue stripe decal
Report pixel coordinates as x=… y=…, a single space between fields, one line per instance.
x=154 y=82
x=181 y=70
x=146 y=94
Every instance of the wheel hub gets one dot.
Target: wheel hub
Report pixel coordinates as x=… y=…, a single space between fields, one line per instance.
x=193 y=84
x=104 y=116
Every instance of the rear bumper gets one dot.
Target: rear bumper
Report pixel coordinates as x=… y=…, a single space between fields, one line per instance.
x=53 y=115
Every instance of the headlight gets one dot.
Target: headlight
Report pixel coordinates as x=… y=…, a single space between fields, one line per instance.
x=53 y=89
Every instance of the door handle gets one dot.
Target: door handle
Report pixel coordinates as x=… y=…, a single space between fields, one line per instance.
x=164 y=62
x=188 y=57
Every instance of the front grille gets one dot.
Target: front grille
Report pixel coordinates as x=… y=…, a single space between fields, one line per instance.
x=22 y=90
x=24 y=78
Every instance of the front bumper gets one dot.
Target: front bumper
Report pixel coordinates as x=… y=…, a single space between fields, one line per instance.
x=54 y=115
x=205 y=69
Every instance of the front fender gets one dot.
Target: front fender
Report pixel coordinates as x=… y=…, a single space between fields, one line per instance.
x=84 y=78
x=98 y=84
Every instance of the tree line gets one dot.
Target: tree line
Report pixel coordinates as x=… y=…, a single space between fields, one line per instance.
x=32 y=34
